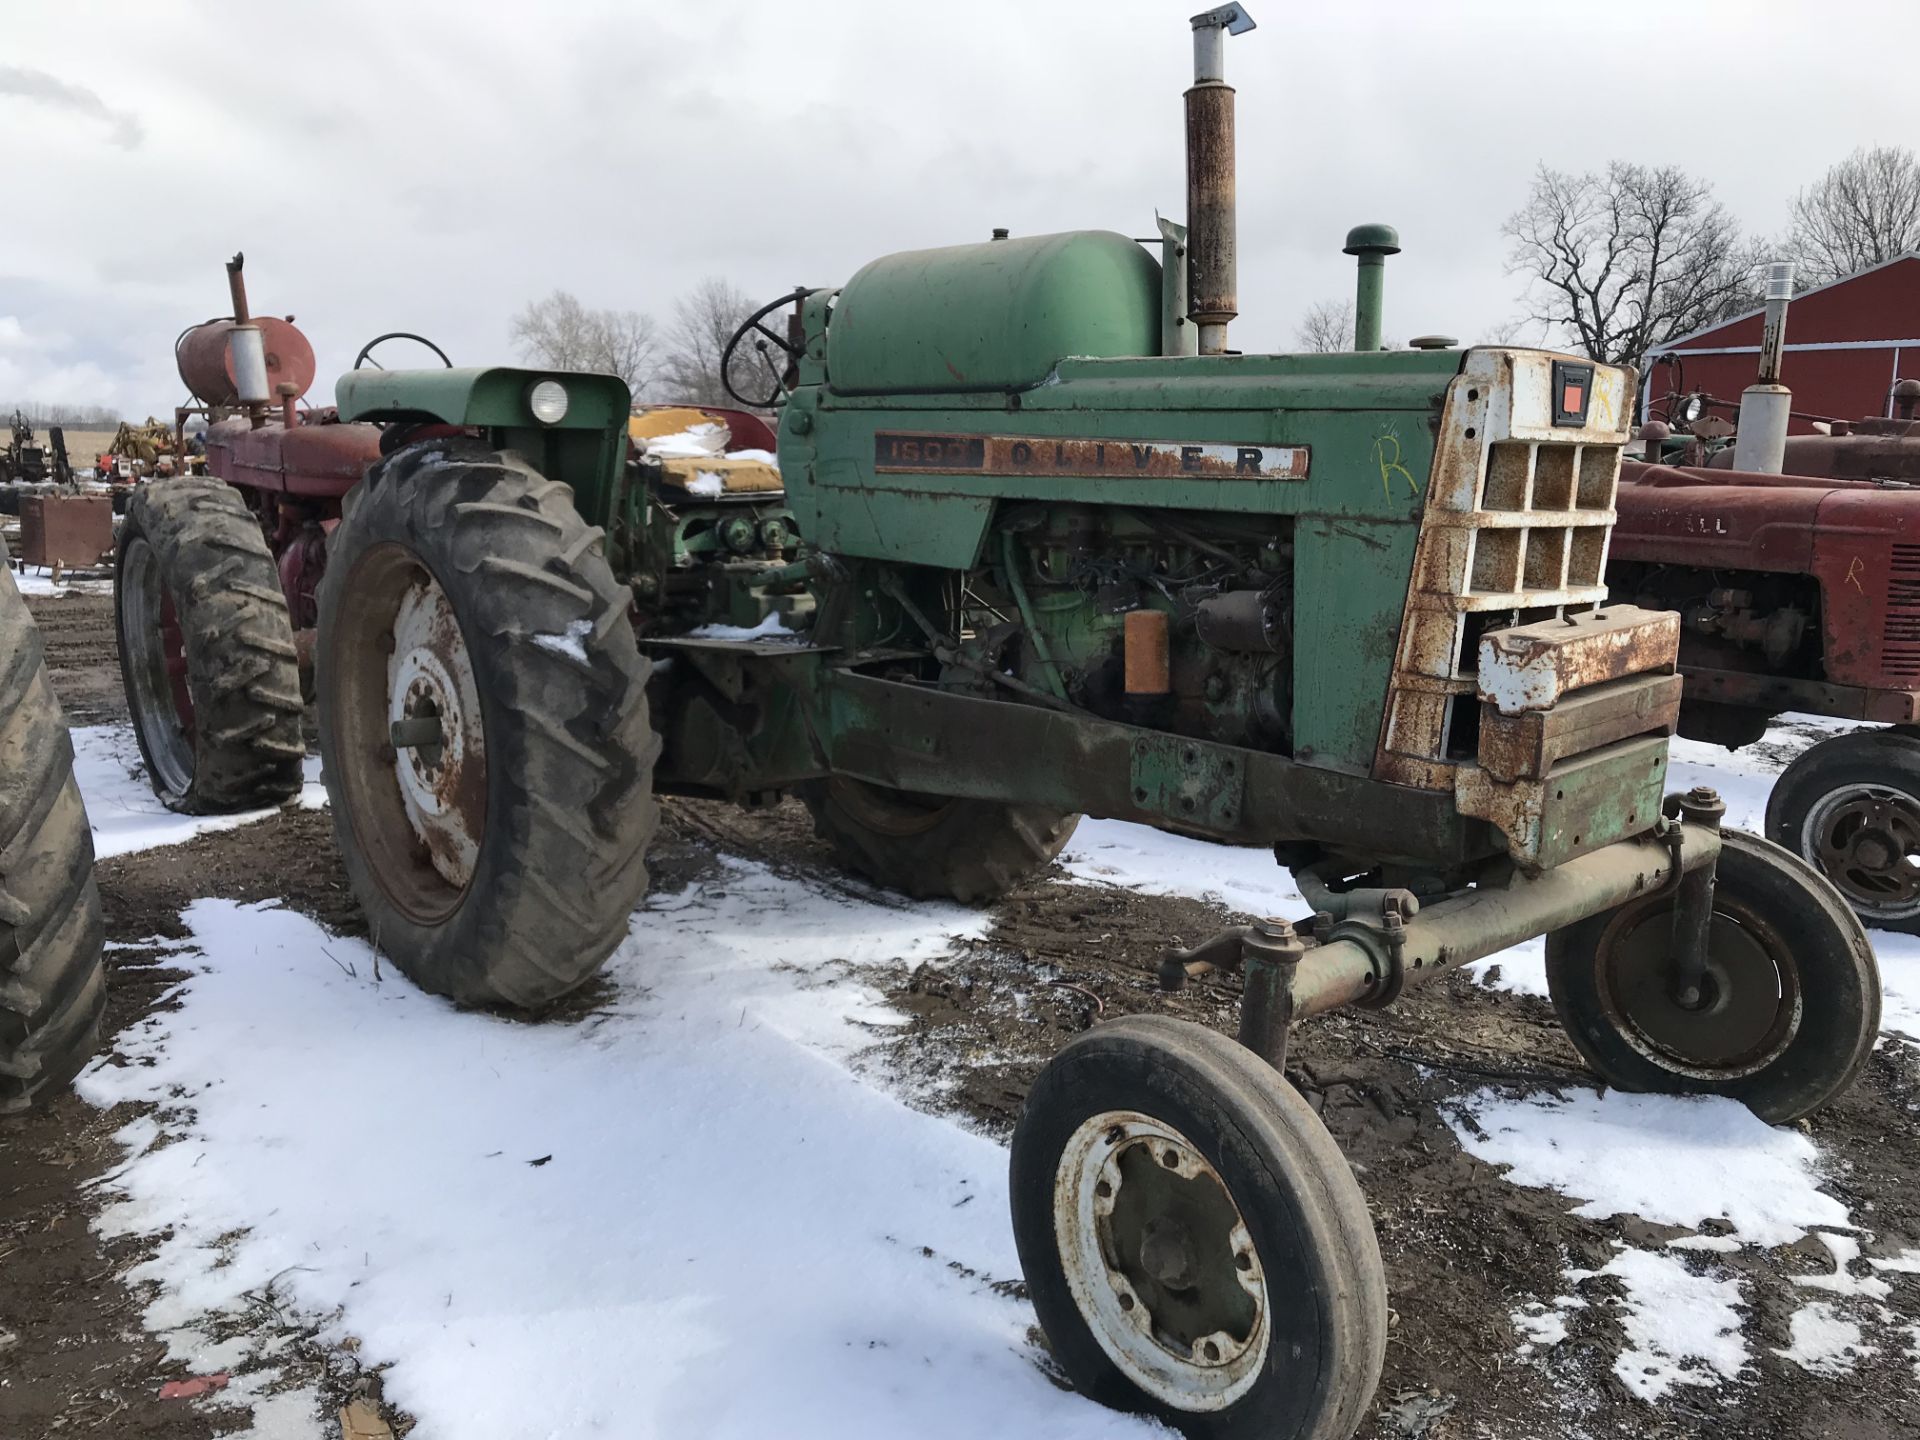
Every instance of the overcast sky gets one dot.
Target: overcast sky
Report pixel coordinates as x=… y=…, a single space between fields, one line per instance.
x=432 y=166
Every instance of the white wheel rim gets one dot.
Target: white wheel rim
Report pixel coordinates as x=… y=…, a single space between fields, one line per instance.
x=1219 y=1367
x=443 y=785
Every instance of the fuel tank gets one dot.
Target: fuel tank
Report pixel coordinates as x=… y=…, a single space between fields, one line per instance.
x=206 y=370
x=993 y=316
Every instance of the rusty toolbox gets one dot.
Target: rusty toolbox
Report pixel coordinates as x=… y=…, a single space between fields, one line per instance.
x=65 y=530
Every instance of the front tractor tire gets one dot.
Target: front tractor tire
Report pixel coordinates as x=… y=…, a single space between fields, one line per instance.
x=1850 y=807
x=483 y=726
x=1791 y=1005
x=52 y=989
x=1194 y=1243
x=206 y=650
x=933 y=846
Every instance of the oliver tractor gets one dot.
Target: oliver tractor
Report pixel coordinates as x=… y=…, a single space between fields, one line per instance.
x=1066 y=553
x=52 y=988
x=1797 y=580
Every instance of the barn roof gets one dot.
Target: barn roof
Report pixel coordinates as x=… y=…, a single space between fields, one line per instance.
x=1689 y=341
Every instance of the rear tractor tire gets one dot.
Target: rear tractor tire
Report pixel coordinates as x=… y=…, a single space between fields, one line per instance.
x=483 y=726
x=1791 y=1006
x=52 y=988
x=1850 y=807
x=206 y=650
x=1194 y=1243
x=934 y=846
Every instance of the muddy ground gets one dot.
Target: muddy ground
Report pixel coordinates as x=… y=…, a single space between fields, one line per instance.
x=1463 y=1247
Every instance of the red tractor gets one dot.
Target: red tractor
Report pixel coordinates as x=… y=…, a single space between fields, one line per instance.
x=211 y=568
x=217 y=575
x=1798 y=592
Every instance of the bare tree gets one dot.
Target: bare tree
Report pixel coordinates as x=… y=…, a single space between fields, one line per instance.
x=1326 y=327
x=702 y=324
x=562 y=333
x=1506 y=332
x=1861 y=213
x=41 y=413
x=1621 y=262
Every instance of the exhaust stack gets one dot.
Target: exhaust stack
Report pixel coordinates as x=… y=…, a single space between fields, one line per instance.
x=247 y=349
x=1212 y=281
x=1760 y=443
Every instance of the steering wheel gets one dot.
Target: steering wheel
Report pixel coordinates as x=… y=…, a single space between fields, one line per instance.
x=364 y=358
x=781 y=343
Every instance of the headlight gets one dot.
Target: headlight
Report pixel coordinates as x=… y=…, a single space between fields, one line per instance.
x=1692 y=408
x=548 y=400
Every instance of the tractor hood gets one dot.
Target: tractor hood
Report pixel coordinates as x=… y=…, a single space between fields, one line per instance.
x=494 y=396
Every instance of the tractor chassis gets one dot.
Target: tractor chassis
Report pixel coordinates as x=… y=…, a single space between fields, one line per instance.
x=1455 y=896
x=1772 y=695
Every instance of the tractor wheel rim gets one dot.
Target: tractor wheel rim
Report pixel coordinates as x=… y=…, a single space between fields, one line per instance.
x=391 y=650
x=1160 y=1262
x=163 y=701
x=1751 y=1003
x=442 y=780
x=1866 y=840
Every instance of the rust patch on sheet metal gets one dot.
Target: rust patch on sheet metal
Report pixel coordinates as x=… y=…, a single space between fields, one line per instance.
x=897 y=452
x=1531 y=667
x=1528 y=745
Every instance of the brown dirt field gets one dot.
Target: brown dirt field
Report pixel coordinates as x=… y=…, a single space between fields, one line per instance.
x=1462 y=1245
x=83 y=445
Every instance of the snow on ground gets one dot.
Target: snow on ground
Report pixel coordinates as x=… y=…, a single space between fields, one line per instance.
x=1824 y=1341
x=689 y=1185
x=1681 y=1328
x=1138 y=857
x=41 y=582
x=1701 y=1164
x=678 y=1215
x=122 y=808
x=1670 y=1159
x=1899 y=957
x=1679 y=1161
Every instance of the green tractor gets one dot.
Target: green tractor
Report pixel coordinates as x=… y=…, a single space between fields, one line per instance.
x=1067 y=553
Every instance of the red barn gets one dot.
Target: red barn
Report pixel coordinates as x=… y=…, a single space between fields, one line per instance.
x=1847 y=343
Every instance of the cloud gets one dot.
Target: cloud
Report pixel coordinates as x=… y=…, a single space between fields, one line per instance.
x=808 y=141
x=52 y=90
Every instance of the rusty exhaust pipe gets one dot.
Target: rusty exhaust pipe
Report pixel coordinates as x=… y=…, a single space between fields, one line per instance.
x=246 y=348
x=1760 y=442
x=1212 y=281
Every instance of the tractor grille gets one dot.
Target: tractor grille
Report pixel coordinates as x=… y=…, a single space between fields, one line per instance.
x=1541 y=531
x=1900 y=637
x=1522 y=534
x=1525 y=537
x=1515 y=528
